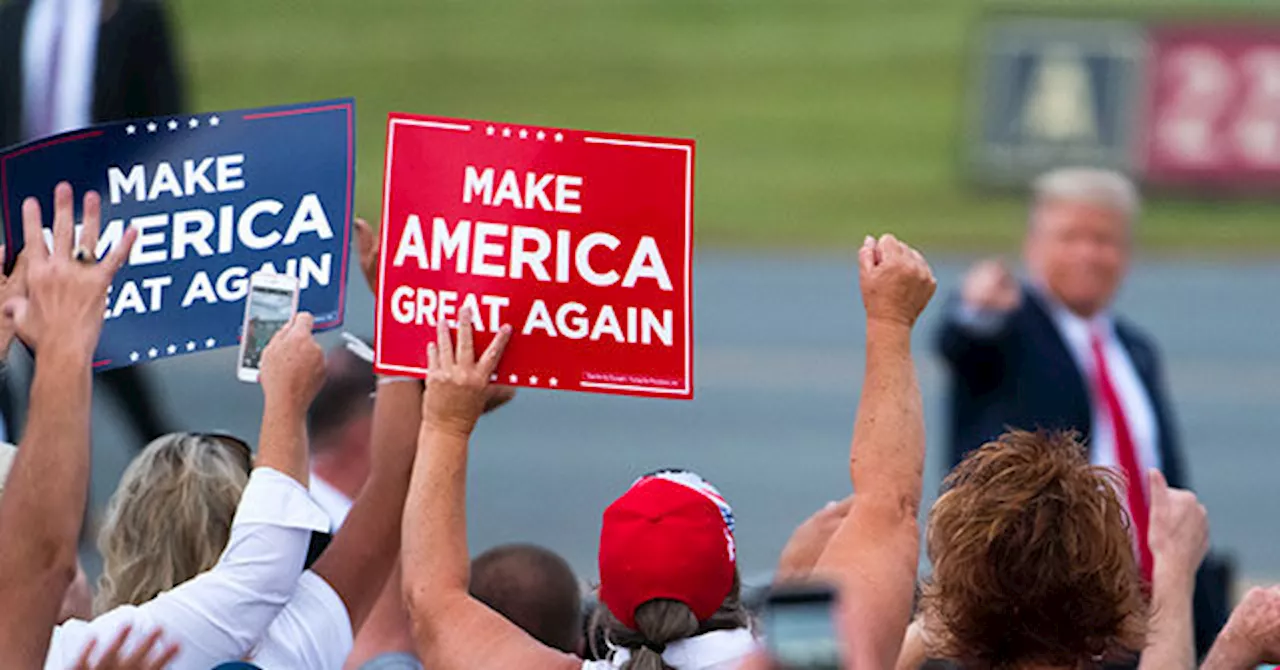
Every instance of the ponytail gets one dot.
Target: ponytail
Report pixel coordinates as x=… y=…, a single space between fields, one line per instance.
x=659 y=622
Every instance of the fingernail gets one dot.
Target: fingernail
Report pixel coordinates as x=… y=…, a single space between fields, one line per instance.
x=506 y=328
x=868 y=241
x=829 y=505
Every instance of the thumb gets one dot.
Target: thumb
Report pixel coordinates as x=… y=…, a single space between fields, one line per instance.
x=1159 y=488
x=15 y=311
x=867 y=254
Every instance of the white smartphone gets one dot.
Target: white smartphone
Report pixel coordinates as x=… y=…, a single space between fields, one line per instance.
x=271 y=303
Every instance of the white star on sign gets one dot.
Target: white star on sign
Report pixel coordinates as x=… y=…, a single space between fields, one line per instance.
x=172 y=349
x=133 y=356
x=173 y=124
x=541 y=136
x=524 y=134
x=553 y=381
x=214 y=120
x=488 y=131
x=209 y=343
x=193 y=123
x=191 y=346
x=130 y=129
x=559 y=137
x=513 y=378
x=151 y=127
x=533 y=380
x=506 y=132
x=152 y=352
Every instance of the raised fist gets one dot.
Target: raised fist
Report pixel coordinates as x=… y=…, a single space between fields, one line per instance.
x=989 y=286
x=896 y=281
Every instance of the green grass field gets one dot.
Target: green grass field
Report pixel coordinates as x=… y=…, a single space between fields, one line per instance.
x=816 y=122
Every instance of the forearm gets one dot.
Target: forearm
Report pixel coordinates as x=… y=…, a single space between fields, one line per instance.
x=887 y=455
x=1171 y=639
x=363 y=554
x=435 y=559
x=282 y=442
x=34 y=573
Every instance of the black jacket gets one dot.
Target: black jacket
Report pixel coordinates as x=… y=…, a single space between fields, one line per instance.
x=135 y=72
x=1021 y=375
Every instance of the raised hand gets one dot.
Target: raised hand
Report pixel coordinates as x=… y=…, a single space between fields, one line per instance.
x=292 y=370
x=896 y=281
x=1178 y=533
x=367 y=247
x=458 y=383
x=66 y=291
x=1252 y=634
x=140 y=659
x=989 y=286
x=810 y=539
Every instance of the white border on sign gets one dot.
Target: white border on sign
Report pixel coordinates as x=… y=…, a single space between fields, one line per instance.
x=688 y=248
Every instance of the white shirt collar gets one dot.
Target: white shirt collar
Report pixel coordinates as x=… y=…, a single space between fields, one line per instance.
x=719 y=648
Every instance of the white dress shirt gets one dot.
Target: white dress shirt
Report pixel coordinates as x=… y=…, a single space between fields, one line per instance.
x=313 y=632
x=221 y=614
x=335 y=503
x=70 y=27
x=1139 y=413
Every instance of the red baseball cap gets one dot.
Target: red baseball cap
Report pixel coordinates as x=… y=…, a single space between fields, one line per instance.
x=670 y=536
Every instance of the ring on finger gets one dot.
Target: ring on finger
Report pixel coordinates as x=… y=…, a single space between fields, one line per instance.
x=83 y=255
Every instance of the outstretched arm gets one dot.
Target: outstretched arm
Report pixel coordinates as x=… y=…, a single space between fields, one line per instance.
x=452 y=629
x=873 y=555
x=1252 y=634
x=60 y=318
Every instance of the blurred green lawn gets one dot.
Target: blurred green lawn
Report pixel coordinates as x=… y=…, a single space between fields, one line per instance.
x=816 y=122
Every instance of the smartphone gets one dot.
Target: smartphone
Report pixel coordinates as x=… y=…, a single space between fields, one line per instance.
x=271 y=303
x=800 y=627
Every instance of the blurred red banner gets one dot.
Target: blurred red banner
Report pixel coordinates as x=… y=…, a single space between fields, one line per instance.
x=1212 y=115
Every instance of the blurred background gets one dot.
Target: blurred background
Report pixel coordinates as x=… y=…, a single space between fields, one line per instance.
x=817 y=123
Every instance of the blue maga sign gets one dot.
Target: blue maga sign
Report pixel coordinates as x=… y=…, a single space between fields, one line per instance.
x=215 y=197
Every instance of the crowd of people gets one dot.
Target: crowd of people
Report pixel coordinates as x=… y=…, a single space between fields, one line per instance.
x=341 y=540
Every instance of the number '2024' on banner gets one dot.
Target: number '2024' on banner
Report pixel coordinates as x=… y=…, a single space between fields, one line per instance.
x=581 y=241
x=215 y=197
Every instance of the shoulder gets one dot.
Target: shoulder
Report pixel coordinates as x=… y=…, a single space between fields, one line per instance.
x=1138 y=341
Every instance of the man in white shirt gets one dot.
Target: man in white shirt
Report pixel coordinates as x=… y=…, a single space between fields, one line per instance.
x=1051 y=353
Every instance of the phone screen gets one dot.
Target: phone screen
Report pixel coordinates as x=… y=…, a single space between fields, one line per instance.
x=802 y=634
x=270 y=308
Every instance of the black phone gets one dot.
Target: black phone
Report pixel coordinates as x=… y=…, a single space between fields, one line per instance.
x=800 y=627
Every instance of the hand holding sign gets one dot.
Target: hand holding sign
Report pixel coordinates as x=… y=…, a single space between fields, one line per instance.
x=62 y=310
x=896 y=281
x=457 y=383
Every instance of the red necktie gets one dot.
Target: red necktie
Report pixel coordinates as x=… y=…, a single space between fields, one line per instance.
x=1126 y=453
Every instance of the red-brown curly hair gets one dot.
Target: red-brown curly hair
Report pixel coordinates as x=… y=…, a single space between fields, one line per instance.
x=1032 y=559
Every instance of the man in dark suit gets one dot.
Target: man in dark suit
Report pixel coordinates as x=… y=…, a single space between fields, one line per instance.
x=66 y=64
x=1051 y=354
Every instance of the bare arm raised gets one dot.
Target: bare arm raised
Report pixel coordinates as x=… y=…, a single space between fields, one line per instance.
x=61 y=318
x=872 y=556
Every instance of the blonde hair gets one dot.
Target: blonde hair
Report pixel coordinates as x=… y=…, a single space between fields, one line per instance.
x=169 y=519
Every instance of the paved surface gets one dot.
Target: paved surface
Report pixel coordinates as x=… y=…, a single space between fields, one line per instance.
x=778 y=368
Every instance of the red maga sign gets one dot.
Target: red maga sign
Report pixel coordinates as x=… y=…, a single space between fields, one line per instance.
x=581 y=241
x=1213 y=115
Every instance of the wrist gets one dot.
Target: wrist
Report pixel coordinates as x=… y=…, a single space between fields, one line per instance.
x=454 y=429
x=888 y=327
x=62 y=357
x=283 y=408
x=1170 y=577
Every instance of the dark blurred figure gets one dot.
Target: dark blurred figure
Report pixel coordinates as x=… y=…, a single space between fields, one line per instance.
x=67 y=64
x=535 y=589
x=1050 y=353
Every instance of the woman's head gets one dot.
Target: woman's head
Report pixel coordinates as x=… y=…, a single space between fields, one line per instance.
x=1032 y=559
x=668 y=566
x=170 y=517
